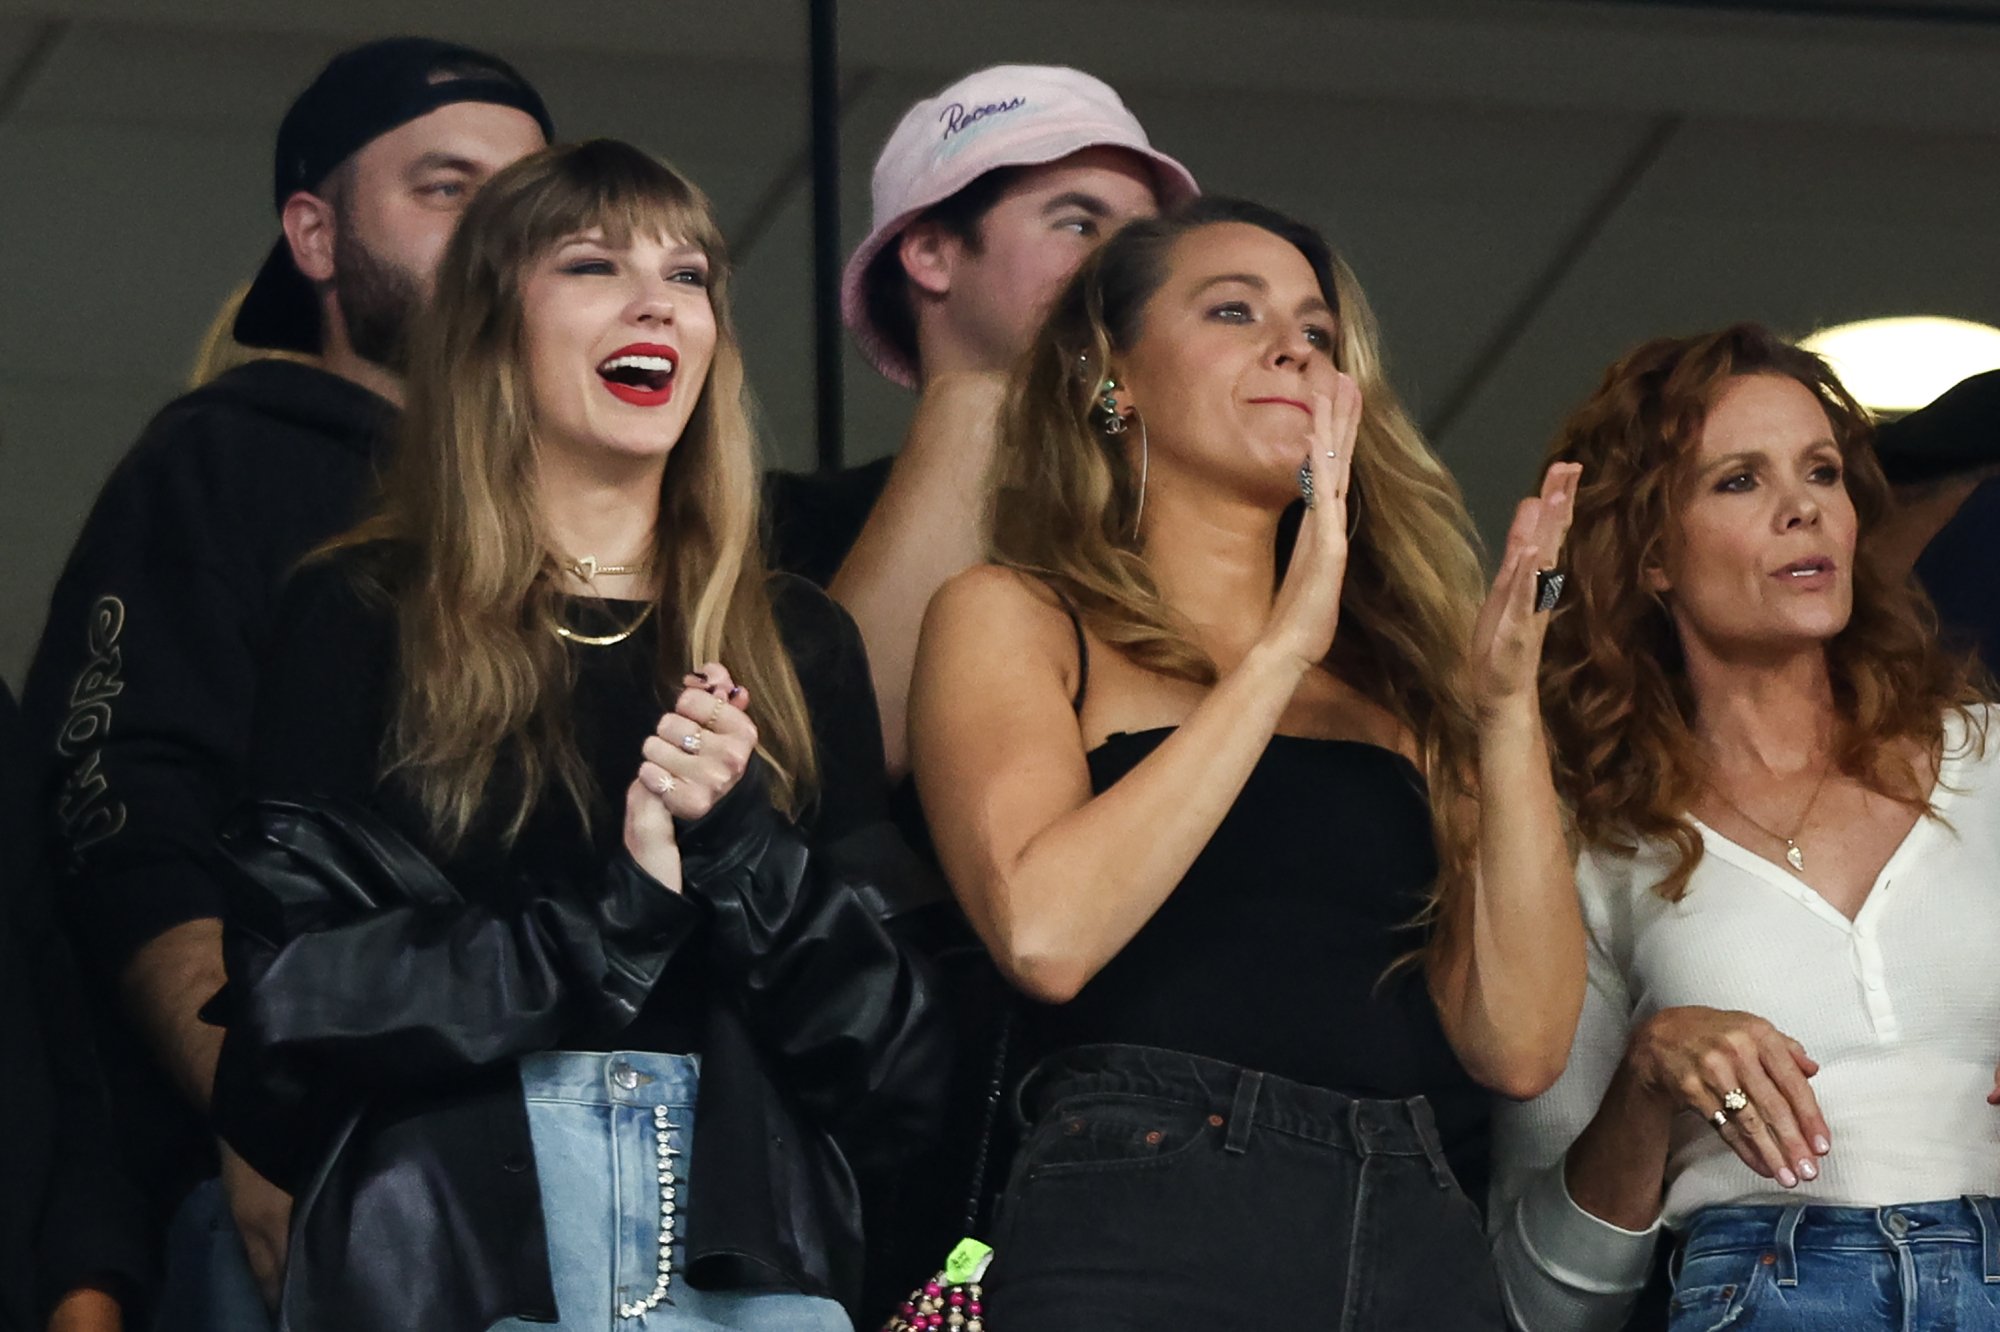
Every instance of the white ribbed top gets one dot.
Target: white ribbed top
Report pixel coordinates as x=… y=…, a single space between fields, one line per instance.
x=1900 y=1006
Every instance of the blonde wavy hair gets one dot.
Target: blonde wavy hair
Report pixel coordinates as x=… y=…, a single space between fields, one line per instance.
x=1066 y=500
x=1614 y=689
x=475 y=589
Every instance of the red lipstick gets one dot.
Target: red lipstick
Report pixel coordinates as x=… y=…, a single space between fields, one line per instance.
x=641 y=373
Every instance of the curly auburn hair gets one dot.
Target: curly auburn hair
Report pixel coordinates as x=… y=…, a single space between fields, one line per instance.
x=1614 y=688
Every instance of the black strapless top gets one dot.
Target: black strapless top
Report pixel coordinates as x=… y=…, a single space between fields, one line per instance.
x=1274 y=952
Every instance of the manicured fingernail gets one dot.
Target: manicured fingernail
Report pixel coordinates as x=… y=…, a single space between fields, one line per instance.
x=1788 y=1179
x=1808 y=1169
x=735 y=690
x=1821 y=1145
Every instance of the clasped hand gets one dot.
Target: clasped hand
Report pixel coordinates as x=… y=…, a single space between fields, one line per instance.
x=695 y=757
x=1692 y=1058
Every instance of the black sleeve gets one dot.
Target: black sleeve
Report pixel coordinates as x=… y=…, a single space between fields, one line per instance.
x=407 y=997
x=812 y=519
x=89 y=1228
x=141 y=690
x=848 y=1018
x=832 y=664
x=851 y=826
x=411 y=998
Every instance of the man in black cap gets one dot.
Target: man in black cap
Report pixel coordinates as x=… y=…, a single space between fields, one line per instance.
x=140 y=693
x=1944 y=461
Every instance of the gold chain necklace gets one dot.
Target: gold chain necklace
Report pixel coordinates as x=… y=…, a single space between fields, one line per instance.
x=563 y=631
x=587 y=568
x=1793 y=855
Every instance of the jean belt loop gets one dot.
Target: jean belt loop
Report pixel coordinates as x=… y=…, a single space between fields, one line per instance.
x=1425 y=1124
x=1989 y=1236
x=1242 y=1110
x=1017 y=1095
x=1786 y=1233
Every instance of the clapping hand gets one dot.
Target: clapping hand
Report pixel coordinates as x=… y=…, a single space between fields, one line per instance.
x=1507 y=637
x=695 y=757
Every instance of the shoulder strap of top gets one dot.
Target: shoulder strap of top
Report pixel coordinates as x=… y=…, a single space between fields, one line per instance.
x=1082 y=653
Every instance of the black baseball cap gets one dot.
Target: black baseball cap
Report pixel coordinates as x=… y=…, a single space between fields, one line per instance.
x=361 y=95
x=1956 y=434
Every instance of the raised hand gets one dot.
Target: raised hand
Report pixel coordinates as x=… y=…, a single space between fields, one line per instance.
x=1507 y=637
x=1308 y=603
x=693 y=759
x=1692 y=1058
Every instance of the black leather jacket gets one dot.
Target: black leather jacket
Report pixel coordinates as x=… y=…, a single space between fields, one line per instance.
x=361 y=1070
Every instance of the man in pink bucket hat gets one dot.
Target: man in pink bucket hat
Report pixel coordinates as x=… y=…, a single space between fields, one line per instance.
x=986 y=198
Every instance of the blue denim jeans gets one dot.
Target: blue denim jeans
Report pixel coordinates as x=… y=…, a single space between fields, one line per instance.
x=207 y=1285
x=1165 y=1190
x=613 y=1135
x=1915 y=1267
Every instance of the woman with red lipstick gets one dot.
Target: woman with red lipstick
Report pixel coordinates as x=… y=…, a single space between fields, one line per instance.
x=1790 y=805
x=1245 y=790
x=607 y=1049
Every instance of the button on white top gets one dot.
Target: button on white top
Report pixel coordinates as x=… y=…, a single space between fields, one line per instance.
x=1899 y=1007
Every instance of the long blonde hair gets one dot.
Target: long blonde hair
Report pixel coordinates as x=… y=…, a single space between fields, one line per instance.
x=473 y=583
x=1066 y=500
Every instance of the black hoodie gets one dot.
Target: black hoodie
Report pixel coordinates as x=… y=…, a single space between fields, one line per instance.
x=141 y=692
x=67 y=1216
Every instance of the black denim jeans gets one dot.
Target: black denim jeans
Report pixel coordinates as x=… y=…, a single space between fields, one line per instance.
x=1161 y=1190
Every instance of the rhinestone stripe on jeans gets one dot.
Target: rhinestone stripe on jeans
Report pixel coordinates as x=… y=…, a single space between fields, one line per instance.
x=665 y=1152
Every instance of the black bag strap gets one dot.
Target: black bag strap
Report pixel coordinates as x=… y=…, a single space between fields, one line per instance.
x=996 y=1090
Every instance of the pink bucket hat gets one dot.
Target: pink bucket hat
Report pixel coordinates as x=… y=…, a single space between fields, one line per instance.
x=1004 y=116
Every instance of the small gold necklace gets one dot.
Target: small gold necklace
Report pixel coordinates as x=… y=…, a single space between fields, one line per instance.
x=1793 y=855
x=563 y=631
x=587 y=568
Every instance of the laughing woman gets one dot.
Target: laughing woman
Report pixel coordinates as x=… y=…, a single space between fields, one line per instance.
x=619 y=1080
x=1242 y=786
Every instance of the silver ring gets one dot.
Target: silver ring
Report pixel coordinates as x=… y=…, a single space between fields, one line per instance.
x=665 y=786
x=1549 y=588
x=1735 y=1101
x=1720 y=1119
x=1306 y=484
x=691 y=743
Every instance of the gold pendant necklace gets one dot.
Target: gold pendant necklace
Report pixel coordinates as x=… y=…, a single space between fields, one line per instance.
x=1794 y=857
x=587 y=568
x=563 y=631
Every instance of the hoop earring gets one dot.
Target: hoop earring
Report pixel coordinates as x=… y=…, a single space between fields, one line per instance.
x=1145 y=465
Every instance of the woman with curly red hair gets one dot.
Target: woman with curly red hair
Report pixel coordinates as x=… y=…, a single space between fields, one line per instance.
x=1791 y=826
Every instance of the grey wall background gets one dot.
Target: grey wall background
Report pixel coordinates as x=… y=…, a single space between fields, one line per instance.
x=1527 y=187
